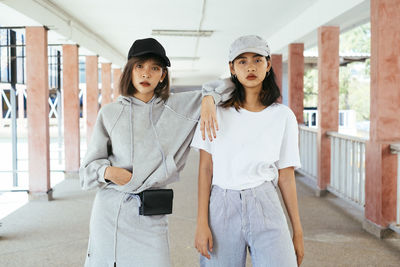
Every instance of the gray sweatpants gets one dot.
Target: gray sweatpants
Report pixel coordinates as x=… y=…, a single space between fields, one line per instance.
x=251 y=218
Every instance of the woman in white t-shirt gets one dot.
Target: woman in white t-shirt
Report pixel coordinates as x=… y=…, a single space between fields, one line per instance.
x=256 y=150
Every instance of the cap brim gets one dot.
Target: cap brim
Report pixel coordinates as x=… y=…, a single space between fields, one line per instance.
x=166 y=59
x=248 y=50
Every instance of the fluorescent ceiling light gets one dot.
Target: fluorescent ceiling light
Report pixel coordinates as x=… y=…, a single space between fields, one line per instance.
x=184 y=33
x=185 y=58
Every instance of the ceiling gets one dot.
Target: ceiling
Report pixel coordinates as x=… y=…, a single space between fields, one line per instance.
x=108 y=28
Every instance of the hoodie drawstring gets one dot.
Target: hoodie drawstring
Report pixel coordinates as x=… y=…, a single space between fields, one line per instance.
x=158 y=140
x=131 y=132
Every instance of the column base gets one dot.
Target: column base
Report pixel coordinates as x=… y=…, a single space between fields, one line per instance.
x=321 y=192
x=71 y=175
x=377 y=230
x=41 y=196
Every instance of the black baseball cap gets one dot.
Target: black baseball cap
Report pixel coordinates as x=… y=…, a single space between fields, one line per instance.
x=148 y=46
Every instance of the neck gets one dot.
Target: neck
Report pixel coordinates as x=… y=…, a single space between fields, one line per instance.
x=144 y=97
x=252 y=101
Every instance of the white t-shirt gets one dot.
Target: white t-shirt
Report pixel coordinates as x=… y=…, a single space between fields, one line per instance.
x=251 y=146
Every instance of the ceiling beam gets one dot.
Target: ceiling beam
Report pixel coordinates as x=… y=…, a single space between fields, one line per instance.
x=56 y=19
x=303 y=29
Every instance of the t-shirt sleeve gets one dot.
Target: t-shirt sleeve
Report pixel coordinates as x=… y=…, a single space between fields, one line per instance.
x=289 y=152
x=199 y=143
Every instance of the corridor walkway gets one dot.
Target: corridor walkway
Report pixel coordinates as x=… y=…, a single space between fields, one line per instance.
x=55 y=233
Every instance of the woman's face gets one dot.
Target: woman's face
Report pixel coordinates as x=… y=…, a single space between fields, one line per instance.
x=146 y=76
x=250 y=69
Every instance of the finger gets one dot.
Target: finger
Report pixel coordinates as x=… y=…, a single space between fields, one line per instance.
x=213 y=128
x=210 y=244
x=299 y=259
x=202 y=129
x=202 y=251
x=205 y=252
x=216 y=124
x=208 y=130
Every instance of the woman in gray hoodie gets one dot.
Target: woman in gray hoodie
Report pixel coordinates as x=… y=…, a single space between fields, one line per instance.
x=139 y=142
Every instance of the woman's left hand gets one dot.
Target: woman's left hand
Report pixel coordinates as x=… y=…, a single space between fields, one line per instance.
x=208 y=120
x=298 y=244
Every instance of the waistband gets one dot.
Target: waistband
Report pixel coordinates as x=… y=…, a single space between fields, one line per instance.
x=266 y=186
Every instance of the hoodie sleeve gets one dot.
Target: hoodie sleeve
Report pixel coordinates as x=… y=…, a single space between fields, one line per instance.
x=220 y=89
x=95 y=162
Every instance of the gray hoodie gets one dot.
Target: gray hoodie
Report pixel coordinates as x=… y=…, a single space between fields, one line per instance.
x=149 y=139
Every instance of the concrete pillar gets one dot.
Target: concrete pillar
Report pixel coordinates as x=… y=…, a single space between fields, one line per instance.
x=116 y=77
x=71 y=107
x=38 y=113
x=277 y=66
x=328 y=100
x=105 y=83
x=381 y=166
x=92 y=94
x=296 y=77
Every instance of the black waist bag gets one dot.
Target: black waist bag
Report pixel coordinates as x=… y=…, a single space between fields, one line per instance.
x=156 y=202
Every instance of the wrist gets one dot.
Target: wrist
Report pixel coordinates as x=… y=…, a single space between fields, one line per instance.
x=298 y=233
x=209 y=97
x=202 y=223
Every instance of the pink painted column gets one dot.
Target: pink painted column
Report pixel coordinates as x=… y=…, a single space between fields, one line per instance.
x=328 y=100
x=71 y=107
x=38 y=113
x=277 y=66
x=92 y=94
x=381 y=166
x=296 y=77
x=105 y=83
x=116 y=79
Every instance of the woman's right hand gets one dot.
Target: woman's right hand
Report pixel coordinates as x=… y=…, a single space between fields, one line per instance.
x=119 y=176
x=204 y=240
x=208 y=118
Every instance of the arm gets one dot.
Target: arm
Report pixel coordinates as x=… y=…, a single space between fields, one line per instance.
x=287 y=186
x=220 y=89
x=203 y=239
x=95 y=162
x=96 y=169
x=213 y=93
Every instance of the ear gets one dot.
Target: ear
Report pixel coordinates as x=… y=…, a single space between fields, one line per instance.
x=232 y=69
x=269 y=65
x=163 y=75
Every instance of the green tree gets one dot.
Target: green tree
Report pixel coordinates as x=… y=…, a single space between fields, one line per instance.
x=311 y=88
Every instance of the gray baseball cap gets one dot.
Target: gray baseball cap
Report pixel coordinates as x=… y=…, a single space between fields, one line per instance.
x=249 y=43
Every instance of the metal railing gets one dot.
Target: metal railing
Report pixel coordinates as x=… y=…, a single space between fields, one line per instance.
x=395 y=148
x=348 y=167
x=308 y=151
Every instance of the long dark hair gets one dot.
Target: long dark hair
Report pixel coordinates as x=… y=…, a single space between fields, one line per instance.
x=269 y=93
x=126 y=87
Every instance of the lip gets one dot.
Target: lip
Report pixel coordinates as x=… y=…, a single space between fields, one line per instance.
x=145 y=84
x=251 y=77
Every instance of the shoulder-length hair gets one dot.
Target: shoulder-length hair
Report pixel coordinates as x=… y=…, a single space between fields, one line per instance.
x=126 y=87
x=269 y=93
